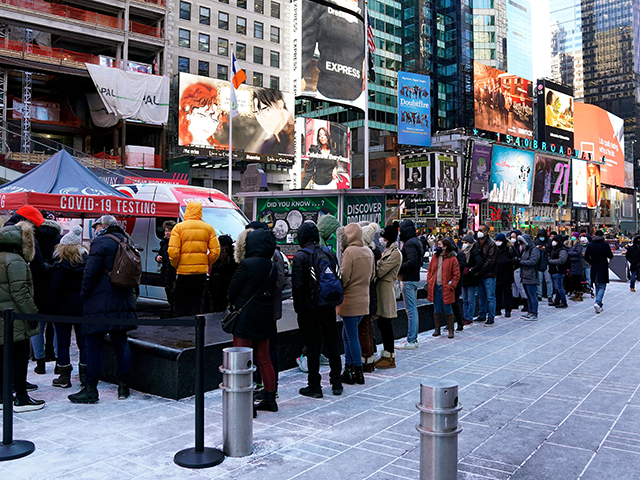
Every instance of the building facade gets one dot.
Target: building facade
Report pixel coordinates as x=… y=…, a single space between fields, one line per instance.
x=490 y=33
x=566 y=45
x=519 y=49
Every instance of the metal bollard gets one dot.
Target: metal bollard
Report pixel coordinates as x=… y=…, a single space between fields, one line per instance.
x=237 y=401
x=439 y=430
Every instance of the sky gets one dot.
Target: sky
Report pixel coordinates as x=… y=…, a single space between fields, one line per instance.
x=541 y=33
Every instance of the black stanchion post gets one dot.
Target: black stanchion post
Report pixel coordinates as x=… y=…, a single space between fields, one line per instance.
x=10 y=448
x=200 y=456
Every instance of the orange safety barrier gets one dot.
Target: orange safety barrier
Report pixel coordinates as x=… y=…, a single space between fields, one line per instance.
x=57 y=55
x=145 y=29
x=159 y=3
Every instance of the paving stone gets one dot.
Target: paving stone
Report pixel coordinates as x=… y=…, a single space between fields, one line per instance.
x=610 y=463
x=512 y=444
x=553 y=462
x=497 y=412
x=549 y=411
x=582 y=432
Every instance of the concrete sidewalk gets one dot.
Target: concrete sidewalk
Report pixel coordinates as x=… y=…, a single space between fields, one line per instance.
x=554 y=399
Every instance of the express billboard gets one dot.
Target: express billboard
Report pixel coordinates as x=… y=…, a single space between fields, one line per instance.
x=586 y=185
x=503 y=102
x=264 y=128
x=414 y=109
x=551 y=179
x=511 y=176
x=555 y=114
x=329 y=50
x=326 y=157
x=599 y=136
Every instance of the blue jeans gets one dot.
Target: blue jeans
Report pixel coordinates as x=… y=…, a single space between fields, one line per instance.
x=558 y=285
x=600 y=288
x=352 y=351
x=37 y=342
x=469 y=299
x=94 y=344
x=635 y=275
x=532 y=298
x=63 y=333
x=587 y=274
x=542 y=277
x=438 y=302
x=487 y=296
x=410 y=296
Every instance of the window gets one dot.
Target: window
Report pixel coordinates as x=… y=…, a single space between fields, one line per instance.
x=258 y=6
x=242 y=4
x=241 y=25
x=241 y=51
x=205 y=16
x=183 y=64
x=257 y=55
x=258 y=29
x=275 y=34
x=275 y=59
x=274 y=83
x=275 y=9
x=223 y=72
x=394 y=173
x=374 y=175
x=223 y=47
x=203 y=42
x=223 y=21
x=185 y=10
x=257 y=79
x=203 y=68
x=184 y=38
x=224 y=1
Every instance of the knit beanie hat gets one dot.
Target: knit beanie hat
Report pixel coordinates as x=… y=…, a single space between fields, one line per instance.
x=255 y=225
x=327 y=226
x=225 y=240
x=390 y=232
x=369 y=232
x=74 y=237
x=32 y=214
x=501 y=237
x=468 y=238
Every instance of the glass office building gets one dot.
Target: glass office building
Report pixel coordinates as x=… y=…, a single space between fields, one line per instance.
x=566 y=45
x=519 y=47
x=490 y=33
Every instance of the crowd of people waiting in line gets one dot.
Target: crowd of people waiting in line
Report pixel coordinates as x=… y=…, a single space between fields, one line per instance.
x=43 y=271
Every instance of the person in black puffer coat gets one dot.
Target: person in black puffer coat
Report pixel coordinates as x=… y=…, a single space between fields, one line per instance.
x=505 y=260
x=598 y=254
x=409 y=274
x=167 y=271
x=256 y=275
x=633 y=257
x=558 y=256
x=471 y=263
x=222 y=272
x=104 y=299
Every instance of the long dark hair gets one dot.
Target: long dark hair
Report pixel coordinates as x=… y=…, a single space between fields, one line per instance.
x=446 y=243
x=327 y=135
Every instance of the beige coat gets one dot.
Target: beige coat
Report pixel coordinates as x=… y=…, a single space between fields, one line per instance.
x=357 y=271
x=386 y=276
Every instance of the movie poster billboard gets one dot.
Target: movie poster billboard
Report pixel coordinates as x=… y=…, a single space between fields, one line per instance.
x=326 y=157
x=414 y=109
x=555 y=115
x=329 y=50
x=599 y=136
x=420 y=174
x=511 y=176
x=551 y=179
x=586 y=184
x=263 y=129
x=480 y=172
x=449 y=200
x=503 y=102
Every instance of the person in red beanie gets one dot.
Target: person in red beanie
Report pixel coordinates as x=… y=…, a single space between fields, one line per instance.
x=31 y=213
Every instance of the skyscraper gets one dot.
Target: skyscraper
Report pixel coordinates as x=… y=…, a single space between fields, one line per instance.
x=519 y=46
x=490 y=33
x=566 y=45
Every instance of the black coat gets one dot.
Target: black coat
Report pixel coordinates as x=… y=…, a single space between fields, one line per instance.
x=256 y=273
x=558 y=257
x=373 y=294
x=544 y=248
x=471 y=278
x=219 y=281
x=167 y=271
x=308 y=237
x=489 y=252
x=505 y=263
x=411 y=253
x=598 y=254
x=633 y=255
x=66 y=285
x=101 y=297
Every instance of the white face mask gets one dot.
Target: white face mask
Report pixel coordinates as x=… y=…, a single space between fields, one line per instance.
x=584 y=240
x=498 y=242
x=480 y=234
x=514 y=240
x=542 y=239
x=465 y=246
x=554 y=243
x=383 y=242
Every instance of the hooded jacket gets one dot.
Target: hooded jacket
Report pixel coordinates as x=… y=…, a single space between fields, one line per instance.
x=544 y=246
x=327 y=226
x=357 y=271
x=598 y=254
x=505 y=263
x=633 y=254
x=575 y=255
x=529 y=261
x=256 y=273
x=450 y=277
x=474 y=264
x=17 y=247
x=66 y=284
x=193 y=246
x=386 y=275
x=411 y=253
x=558 y=256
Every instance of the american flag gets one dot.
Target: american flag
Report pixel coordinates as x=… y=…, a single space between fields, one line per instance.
x=370 y=38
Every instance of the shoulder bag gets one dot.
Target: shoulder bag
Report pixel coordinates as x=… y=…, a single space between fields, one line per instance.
x=231 y=314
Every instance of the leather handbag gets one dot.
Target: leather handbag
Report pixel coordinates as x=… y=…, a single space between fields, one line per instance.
x=231 y=315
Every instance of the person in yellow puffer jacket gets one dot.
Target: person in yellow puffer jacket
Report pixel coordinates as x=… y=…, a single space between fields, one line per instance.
x=193 y=248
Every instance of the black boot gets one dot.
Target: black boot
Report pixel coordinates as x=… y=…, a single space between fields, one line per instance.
x=348 y=375
x=40 y=367
x=82 y=373
x=561 y=304
x=269 y=403
x=123 y=390
x=358 y=375
x=64 y=380
x=88 y=394
x=507 y=313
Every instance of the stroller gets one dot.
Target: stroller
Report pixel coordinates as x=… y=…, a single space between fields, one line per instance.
x=585 y=287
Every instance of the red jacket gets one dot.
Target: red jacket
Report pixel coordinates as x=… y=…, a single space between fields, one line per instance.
x=450 y=273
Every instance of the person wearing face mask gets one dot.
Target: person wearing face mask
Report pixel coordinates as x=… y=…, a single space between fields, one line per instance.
x=543 y=244
x=577 y=269
x=506 y=261
x=457 y=305
x=633 y=257
x=529 y=260
x=519 y=296
x=442 y=279
x=487 y=275
x=471 y=263
x=558 y=257
x=598 y=255
x=409 y=274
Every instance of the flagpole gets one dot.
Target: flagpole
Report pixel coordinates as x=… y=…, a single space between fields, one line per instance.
x=366 y=96
x=230 y=180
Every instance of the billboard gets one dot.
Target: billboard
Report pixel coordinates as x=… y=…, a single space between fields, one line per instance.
x=420 y=174
x=555 y=114
x=480 y=172
x=628 y=175
x=551 y=179
x=329 y=51
x=414 y=109
x=599 y=136
x=586 y=184
x=449 y=194
x=511 y=176
x=326 y=158
x=368 y=209
x=503 y=102
x=264 y=128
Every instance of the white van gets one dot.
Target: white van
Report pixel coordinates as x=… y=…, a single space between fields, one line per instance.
x=218 y=211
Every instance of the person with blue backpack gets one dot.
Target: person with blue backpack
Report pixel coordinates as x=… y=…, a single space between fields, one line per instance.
x=317 y=290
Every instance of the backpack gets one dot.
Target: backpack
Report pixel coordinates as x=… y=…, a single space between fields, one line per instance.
x=543 y=261
x=566 y=266
x=127 y=265
x=326 y=285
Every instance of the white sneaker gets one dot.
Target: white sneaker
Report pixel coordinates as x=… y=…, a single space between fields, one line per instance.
x=598 y=308
x=406 y=345
x=302 y=363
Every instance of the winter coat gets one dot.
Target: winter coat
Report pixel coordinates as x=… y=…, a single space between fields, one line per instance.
x=450 y=273
x=256 y=273
x=529 y=262
x=558 y=256
x=386 y=275
x=598 y=255
x=66 y=285
x=545 y=247
x=471 y=278
x=17 y=247
x=49 y=235
x=193 y=246
x=167 y=271
x=357 y=270
x=411 y=253
x=219 y=281
x=575 y=255
x=327 y=226
x=308 y=237
x=505 y=262
x=101 y=297
x=633 y=254
x=489 y=253
x=373 y=294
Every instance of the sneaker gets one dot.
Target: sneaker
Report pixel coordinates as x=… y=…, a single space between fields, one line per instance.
x=488 y=323
x=27 y=405
x=480 y=319
x=598 y=308
x=531 y=318
x=31 y=387
x=324 y=360
x=525 y=316
x=406 y=345
x=467 y=322
x=302 y=363
x=313 y=392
